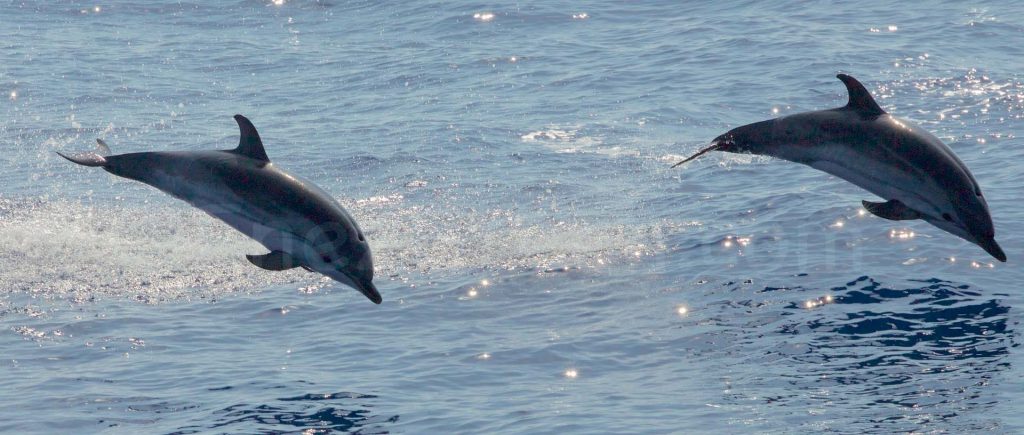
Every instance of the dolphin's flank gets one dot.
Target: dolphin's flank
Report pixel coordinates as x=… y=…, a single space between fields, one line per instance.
x=299 y=223
x=918 y=176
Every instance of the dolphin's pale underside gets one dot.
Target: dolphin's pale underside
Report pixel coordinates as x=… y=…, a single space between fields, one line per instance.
x=299 y=223
x=918 y=176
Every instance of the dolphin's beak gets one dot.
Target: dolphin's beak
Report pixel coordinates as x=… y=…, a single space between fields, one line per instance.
x=351 y=279
x=370 y=291
x=990 y=246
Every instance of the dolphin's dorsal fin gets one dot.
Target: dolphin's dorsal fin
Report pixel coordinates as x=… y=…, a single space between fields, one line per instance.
x=892 y=210
x=249 y=144
x=275 y=260
x=860 y=99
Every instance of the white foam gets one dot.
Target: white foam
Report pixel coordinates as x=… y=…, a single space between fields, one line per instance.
x=152 y=253
x=82 y=251
x=566 y=139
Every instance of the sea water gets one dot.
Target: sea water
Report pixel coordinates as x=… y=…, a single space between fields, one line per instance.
x=543 y=269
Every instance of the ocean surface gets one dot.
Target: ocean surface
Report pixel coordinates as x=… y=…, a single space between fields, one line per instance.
x=543 y=269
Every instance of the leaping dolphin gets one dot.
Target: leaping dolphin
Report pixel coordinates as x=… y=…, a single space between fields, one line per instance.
x=917 y=174
x=299 y=223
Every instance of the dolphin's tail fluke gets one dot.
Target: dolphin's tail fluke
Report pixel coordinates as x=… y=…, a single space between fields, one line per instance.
x=85 y=159
x=94 y=158
x=714 y=146
x=102 y=148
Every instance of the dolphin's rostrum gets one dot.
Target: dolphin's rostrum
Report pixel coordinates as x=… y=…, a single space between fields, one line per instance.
x=299 y=223
x=917 y=174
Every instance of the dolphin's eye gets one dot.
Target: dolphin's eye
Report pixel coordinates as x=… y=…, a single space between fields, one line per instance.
x=947 y=217
x=326 y=258
x=361 y=239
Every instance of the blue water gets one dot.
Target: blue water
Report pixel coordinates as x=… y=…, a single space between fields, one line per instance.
x=543 y=269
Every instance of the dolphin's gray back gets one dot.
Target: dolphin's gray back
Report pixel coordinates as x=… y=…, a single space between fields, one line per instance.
x=253 y=197
x=829 y=139
x=297 y=221
x=916 y=173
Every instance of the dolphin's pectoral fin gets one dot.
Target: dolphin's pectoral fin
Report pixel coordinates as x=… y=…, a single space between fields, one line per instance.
x=892 y=210
x=276 y=260
x=860 y=98
x=249 y=143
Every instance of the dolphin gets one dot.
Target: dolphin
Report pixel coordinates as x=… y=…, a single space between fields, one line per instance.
x=298 y=222
x=917 y=174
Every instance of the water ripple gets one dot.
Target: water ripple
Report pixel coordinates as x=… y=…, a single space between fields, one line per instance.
x=907 y=358
x=307 y=414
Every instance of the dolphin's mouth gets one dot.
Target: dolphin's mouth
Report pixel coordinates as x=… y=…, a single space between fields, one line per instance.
x=370 y=291
x=354 y=280
x=990 y=246
x=365 y=287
